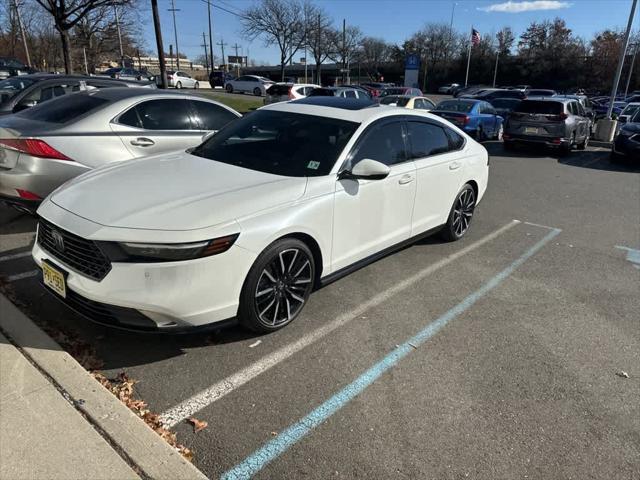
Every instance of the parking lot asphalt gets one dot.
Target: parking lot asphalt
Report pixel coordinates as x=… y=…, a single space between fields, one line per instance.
x=494 y=357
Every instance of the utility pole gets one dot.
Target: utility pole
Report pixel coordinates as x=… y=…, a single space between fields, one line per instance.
x=305 y=47
x=236 y=47
x=86 y=65
x=210 y=36
x=633 y=61
x=224 y=60
x=466 y=78
x=22 y=33
x=495 y=71
x=206 y=54
x=115 y=10
x=173 y=10
x=344 y=48
x=623 y=52
x=158 y=30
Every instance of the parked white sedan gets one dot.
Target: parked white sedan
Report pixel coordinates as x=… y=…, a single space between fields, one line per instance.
x=249 y=84
x=248 y=223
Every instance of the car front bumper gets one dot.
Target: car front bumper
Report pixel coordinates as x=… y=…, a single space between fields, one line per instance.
x=168 y=296
x=37 y=175
x=625 y=146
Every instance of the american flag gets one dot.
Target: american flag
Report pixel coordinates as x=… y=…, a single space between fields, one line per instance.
x=475 y=37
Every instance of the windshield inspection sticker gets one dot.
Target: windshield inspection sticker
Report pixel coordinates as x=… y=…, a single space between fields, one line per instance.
x=313 y=165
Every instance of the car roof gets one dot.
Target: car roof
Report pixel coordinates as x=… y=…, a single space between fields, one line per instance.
x=463 y=100
x=349 y=109
x=543 y=98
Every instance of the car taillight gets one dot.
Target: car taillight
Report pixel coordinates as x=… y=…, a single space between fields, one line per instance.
x=27 y=195
x=290 y=93
x=33 y=147
x=465 y=120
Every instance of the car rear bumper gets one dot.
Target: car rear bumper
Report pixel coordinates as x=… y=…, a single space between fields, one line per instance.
x=39 y=176
x=552 y=142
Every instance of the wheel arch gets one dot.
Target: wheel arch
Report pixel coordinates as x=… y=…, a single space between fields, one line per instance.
x=313 y=245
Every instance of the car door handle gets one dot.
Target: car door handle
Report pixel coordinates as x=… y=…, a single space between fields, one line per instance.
x=142 y=142
x=454 y=165
x=405 y=179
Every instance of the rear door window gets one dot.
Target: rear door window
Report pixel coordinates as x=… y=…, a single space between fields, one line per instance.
x=161 y=114
x=426 y=139
x=210 y=116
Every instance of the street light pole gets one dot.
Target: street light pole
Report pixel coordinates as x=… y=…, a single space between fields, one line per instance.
x=210 y=35
x=623 y=52
x=22 y=33
x=158 y=30
x=633 y=61
x=173 y=10
x=115 y=10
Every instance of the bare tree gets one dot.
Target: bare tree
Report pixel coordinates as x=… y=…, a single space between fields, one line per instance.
x=67 y=14
x=373 y=53
x=279 y=22
x=345 y=44
x=319 y=34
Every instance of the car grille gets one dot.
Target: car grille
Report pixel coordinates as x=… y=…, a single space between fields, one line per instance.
x=79 y=254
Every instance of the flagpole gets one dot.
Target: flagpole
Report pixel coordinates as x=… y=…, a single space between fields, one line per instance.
x=466 y=78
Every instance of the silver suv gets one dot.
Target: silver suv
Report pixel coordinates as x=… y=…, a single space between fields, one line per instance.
x=554 y=122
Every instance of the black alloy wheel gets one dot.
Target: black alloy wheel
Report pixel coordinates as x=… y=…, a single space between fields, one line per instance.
x=461 y=214
x=277 y=286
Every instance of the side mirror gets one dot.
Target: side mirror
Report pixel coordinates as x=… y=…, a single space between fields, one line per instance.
x=24 y=105
x=366 y=169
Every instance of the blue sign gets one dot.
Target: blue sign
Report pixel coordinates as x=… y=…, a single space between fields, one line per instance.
x=412 y=62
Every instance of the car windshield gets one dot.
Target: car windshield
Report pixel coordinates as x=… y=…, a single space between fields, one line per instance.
x=455 y=106
x=8 y=62
x=10 y=87
x=630 y=109
x=281 y=143
x=63 y=109
x=538 y=106
x=541 y=93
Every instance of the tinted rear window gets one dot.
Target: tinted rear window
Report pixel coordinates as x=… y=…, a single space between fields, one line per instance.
x=278 y=89
x=392 y=91
x=537 y=106
x=321 y=92
x=505 y=102
x=541 y=93
x=455 y=106
x=63 y=110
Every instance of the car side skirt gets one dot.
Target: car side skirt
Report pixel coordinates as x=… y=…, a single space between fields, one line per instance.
x=332 y=277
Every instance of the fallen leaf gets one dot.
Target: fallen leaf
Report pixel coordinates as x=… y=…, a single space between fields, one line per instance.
x=622 y=374
x=197 y=424
x=255 y=344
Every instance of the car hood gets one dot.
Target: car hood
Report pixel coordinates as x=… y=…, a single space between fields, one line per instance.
x=176 y=191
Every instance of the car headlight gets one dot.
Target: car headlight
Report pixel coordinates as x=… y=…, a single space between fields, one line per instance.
x=172 y=252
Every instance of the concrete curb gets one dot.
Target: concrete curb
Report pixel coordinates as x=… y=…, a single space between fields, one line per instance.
x=154 y=458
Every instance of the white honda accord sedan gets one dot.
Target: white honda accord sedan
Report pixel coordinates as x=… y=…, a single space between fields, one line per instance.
x=247 y=224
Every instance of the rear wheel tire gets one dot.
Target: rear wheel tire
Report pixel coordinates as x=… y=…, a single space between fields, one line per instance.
x=499 y=133
x=178 y=85
x=479 y=135
x=257 y=92
x=566 y=149
x=229 y=88
x=460 y=215
x=277 y=286
x=583 y=145
x=196 y=85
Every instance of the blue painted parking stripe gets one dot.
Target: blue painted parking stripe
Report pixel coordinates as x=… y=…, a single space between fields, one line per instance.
x=292 y=434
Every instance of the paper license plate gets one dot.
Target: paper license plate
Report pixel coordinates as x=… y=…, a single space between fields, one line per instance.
x=54 y=279
x=530 y=130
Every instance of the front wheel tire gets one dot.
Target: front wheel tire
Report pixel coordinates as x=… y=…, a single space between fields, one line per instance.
x=460 y=215
x=257 y=92
x=277 y=286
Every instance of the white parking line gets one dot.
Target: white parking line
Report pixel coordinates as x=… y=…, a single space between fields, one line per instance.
x=22 y=276
x=14 y=256
x=218 y=390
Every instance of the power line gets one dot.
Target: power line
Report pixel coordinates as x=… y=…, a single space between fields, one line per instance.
x=221 y=8
x=173 y=10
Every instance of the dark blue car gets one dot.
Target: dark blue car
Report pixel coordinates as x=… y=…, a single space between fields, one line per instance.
x=476 y=117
